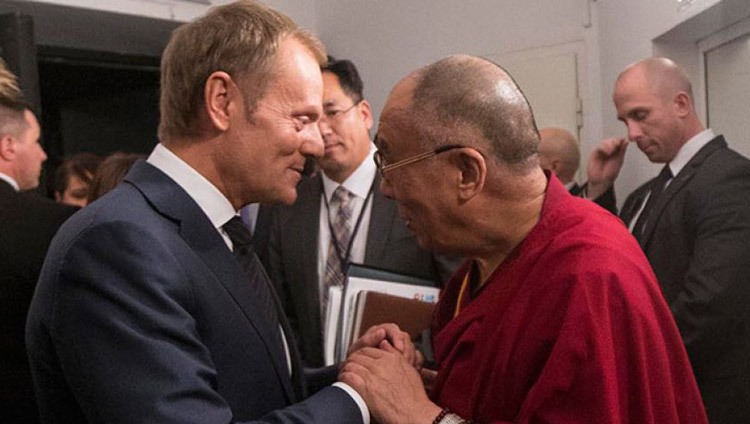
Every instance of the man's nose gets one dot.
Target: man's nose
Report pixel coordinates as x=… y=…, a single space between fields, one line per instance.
x=42 y=153
x=313 y=145
x=325 y=128
x=634 y=132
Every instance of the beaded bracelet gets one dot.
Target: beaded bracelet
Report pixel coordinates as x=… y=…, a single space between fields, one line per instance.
x=441 y=415
x=446 y=417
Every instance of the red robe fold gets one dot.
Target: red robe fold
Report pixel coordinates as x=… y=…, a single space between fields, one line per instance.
x=570 y=328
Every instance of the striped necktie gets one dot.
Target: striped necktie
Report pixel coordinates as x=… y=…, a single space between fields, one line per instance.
x=341 y=204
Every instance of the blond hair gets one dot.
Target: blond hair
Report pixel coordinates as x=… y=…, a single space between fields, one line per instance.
x=12 y=103
x=241 y=39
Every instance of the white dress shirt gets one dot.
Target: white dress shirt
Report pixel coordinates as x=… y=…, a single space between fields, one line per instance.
x=10 y=181
x=359 y=183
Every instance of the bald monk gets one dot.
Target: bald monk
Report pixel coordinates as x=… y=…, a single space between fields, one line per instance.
x=556 y=316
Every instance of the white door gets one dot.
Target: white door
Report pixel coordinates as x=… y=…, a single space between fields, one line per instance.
x=727 y=70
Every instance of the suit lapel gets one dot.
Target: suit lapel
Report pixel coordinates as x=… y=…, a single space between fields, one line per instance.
x=381 y=217
x=199 y=233
x=677 y=183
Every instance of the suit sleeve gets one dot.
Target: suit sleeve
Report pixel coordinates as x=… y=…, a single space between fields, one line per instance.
x=712 y=309
x=608 y=200
x=125 y=332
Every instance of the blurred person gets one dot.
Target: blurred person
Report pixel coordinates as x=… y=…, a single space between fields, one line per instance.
x=693 y=223
x=556 y=315
x=559 y=153
x=152 y=306
x=73 y=179
x=28 y=222
x=111 y=172
x=339 y=217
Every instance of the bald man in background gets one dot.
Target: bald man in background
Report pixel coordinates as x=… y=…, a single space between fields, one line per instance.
x=559 y=153
x=693 y=223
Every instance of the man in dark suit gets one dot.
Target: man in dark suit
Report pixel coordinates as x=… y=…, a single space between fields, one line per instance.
x=27 y=224
x=300 y=253
x=693 y=222
x=151 y=306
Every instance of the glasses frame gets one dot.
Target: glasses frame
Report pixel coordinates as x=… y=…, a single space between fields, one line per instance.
x=333 y=115
x=378 y=157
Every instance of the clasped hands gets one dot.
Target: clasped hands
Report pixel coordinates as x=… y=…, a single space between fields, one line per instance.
x=384 y=368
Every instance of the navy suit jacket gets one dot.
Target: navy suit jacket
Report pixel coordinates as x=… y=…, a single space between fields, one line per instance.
x=698 y=243
x=142 y=315
x=292 y=258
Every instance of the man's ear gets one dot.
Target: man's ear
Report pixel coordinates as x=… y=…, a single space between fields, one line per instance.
x=555 y=166
x=219 y=92
x=682 y=104
x=7 y=148
x=473 y=168
x=366 y=112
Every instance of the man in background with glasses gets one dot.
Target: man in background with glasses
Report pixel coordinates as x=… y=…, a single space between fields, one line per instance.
x=339 y=217
x=556 y=315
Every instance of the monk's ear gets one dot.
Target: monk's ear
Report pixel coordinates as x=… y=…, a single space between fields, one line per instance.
x=219 y=94
x=473 y=171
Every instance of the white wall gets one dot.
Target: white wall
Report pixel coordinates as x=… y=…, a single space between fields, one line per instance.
x=302 y=11
x=387 y=39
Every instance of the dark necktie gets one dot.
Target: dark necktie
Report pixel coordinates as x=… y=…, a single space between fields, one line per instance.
x=251 y=266
x=657 y=188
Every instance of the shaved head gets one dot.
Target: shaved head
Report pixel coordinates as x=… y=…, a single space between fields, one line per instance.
x=559 y=153
x=661 y=75
x=472 y=99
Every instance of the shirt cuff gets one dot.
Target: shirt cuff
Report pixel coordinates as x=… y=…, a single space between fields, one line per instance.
x=357 y=399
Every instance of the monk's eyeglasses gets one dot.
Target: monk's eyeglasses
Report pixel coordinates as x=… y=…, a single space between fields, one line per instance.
x=383 y=166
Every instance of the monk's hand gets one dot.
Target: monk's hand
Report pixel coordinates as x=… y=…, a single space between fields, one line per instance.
x=604 y=165
x=390 y=386
x=389 y=335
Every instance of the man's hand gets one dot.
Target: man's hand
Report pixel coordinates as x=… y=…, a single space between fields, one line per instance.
x=394 y=337
x=604 y=165
x=390 y=386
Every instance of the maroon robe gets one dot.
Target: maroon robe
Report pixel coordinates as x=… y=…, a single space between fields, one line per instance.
x=570 y=328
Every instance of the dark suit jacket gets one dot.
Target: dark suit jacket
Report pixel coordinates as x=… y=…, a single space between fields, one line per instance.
x=27 y=224
x=698 y=243
x=142 y=315
x=292 y=259
x=606 y=200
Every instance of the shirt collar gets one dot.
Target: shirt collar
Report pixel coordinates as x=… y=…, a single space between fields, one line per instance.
x=359 y=182
x=689 y=149
x=213 y=203
x=10 y=180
